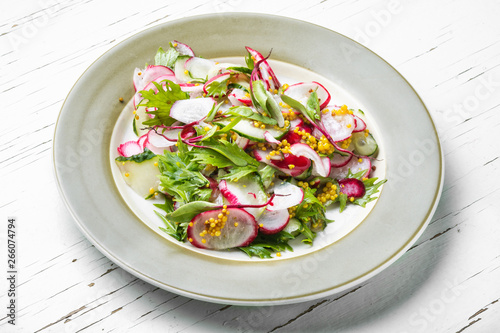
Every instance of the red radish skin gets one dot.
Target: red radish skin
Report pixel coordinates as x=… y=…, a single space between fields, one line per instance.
x=301 y=91
x=239 y=229
x=182 y=48
x=273 y=221
x=264 y=70
x=338 y=160
x=129 y=148
x=286 y=195
x=292 y=165
x=150 y=73
x=321 y=166
x=219 y=78
x=360 y=125
x=356 y=164
x=339 y=127
x=352 y=187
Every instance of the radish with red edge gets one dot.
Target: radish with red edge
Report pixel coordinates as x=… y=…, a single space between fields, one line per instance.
x=198 y=68
x=158 y=141
x=273 y=221
x=130 y=148
x=235 y=228
x=216 y=79
x=191 y=110
x=239 y=97
x=302 y=90
x=356 y=164
x=360 y=125
x=339 y=127
x=194 y=90
x=352 y=187
x=286 y=195
x=321 y=165
x=151 y=73
x=339 y=160
x=292 y=165
x=266 y=72
x=246 y=191
x=182 y=48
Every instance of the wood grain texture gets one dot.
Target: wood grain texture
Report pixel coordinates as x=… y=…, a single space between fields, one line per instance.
x=447 y=282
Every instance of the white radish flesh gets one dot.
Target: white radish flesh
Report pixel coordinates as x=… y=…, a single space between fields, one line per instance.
x=321 y=166
x=191 y=110
x=286 y=195
x=302 y=90
x=273 y=221
x=240 y=229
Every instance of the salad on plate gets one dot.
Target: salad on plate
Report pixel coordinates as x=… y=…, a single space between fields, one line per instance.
x=239 y=159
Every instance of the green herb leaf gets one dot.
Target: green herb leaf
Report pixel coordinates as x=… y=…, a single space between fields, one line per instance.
x=231 y=151
x=166 y=58
x=187 y=212
x=209 y=156
x=162 y=101
x=247 y=112
x=181 y=179
x=144 y=156
x=176 y=230
x=312 y=106
x=236 y=173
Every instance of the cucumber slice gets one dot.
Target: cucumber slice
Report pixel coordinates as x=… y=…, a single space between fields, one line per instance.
x=293 y=227
x=180 y=69
x=140 y=117
x=141 y=176
x=364 y=145
x=246 y=128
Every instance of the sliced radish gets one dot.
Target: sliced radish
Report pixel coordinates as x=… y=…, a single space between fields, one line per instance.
x=265 y=71
x=352 y=187
x=339 y=160
x=242 y=142
x=142 y=141
x=239 y=97
x=245 y=191
x=151 y=73
x=130 y=148
x=218 y=78
x=158 y=143
x=182 y=48
x=273 y=221
x=270 y=138
x=180 y=71
x=195 y=90
x=360 y=125
x=286 y=195
x=199 y=67
x=240 y=229
x=292 y=165
x=191 y=110
x=356 y=164
x=339 y=127
x=321 y=165
x=302 y=90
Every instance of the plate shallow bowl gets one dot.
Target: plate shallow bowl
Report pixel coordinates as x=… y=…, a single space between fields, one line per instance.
x=410 y=142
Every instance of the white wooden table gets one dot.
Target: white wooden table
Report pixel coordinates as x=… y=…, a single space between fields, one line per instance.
x=449 y=281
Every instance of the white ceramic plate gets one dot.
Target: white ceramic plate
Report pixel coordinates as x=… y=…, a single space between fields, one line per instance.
x=413 y=164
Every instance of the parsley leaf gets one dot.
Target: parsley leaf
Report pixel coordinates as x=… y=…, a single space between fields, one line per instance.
x=162 y=101
x=166 y=58
x=264 y=245
x=182 y=179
